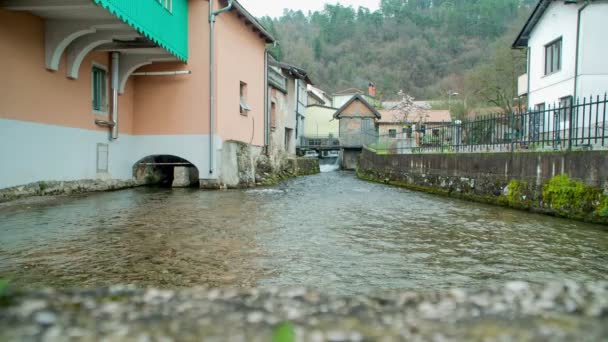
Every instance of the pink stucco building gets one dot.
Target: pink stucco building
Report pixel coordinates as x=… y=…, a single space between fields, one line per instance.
x=90 y=88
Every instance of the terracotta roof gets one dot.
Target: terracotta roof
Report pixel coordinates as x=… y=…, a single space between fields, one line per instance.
x=429 y=115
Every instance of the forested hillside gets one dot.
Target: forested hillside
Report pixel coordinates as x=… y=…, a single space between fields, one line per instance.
x=424 y=47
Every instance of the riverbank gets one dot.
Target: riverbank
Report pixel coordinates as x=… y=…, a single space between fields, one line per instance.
x=564 y=184
x=263 y=173
x=562 y=311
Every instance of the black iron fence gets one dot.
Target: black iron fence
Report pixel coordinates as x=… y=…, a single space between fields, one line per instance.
x=319 y=142
x=568 y=125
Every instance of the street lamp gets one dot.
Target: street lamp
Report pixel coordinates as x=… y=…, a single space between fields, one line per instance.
x=450 y=94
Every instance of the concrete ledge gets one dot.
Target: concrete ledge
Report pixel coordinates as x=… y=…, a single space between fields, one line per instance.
x=564 y=311
x=53 y=188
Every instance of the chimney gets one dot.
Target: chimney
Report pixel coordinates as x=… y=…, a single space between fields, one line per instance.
x=372 y=89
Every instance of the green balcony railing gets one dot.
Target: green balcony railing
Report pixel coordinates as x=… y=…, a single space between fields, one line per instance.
x=165 y=22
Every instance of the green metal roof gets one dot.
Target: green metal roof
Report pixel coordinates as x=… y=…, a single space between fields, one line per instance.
x=168 y=29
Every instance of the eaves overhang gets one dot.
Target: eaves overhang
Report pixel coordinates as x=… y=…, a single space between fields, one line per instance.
x=257 y=26
x=524 y=35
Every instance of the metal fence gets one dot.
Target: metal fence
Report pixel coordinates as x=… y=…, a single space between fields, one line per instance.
x=319 y=142
x=569 y=125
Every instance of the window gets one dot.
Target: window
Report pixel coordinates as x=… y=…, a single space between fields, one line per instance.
x=539 y=107
x=392 y=133
x=244 y=108
x=100 y=89
x=565 y=107
x=553 y=57
x=273 y=115
x=102 y=157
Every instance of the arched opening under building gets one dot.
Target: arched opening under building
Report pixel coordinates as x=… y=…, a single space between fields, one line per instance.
x=166 y=171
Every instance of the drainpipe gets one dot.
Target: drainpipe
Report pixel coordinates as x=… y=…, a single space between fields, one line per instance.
x=115 y=66
x=297 y=110
x=212 y=16
x=266 y=103
x=578 y=43
x=529 y=56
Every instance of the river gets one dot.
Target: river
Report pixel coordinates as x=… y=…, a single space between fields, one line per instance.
x=330 y=231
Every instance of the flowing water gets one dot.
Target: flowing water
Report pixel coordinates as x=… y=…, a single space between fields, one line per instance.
x=330 y=231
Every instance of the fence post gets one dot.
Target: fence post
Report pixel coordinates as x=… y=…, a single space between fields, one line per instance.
x=512 y=114
x=571 y=122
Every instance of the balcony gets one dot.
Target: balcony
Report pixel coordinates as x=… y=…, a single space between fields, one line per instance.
x=522 y=85
x=143 y=32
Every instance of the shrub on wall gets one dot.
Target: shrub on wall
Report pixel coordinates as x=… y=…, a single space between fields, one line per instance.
x=566 y=195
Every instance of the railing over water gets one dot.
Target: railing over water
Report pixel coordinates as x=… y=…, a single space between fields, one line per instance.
x=567 y=126
x=320 y=142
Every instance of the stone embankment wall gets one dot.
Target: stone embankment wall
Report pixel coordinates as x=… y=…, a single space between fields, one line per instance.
x=64 y=188
x=567 y=184
x=245 y=166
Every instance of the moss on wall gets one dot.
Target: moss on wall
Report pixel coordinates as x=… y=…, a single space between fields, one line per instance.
x=559 y=196
x=572 y=198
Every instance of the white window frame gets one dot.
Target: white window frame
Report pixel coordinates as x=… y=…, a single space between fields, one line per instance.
x=560 y=60
x=105 y=100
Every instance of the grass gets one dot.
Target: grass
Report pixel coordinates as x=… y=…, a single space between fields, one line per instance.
x=284 y=332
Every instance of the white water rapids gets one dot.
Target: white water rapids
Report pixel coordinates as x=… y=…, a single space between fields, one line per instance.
x=330 y=164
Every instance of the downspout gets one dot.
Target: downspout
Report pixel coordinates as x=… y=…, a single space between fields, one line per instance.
x=212 y=16
x=115 y=66
x=577 y=55
x=266 y=103
x=529 y=56
x=297 y=110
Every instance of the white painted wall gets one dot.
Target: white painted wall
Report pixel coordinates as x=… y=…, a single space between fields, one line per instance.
x=560 y=20
x=37 y=152
x=593 y=62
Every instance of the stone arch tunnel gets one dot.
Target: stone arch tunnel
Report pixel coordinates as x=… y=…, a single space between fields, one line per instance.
x=166 y=171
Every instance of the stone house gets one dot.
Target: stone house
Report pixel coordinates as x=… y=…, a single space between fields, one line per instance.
x=357 y=128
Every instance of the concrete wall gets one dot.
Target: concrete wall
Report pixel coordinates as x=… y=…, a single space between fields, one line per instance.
x=33 y=152
x=486 y=177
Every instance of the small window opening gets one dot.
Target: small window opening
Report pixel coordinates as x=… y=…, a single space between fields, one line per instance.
x=244 y=107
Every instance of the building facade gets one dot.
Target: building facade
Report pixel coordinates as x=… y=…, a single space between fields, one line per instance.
x=94 y=88
x=566 y=50
x=282 y=115
x=297 y=81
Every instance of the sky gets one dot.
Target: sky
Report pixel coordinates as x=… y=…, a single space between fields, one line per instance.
x=274 y=8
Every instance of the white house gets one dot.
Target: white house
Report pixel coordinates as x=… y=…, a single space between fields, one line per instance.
x=567 y=47
x=567 y=51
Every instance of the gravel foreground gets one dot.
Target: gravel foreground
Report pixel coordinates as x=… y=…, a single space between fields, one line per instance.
x=565 y=311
